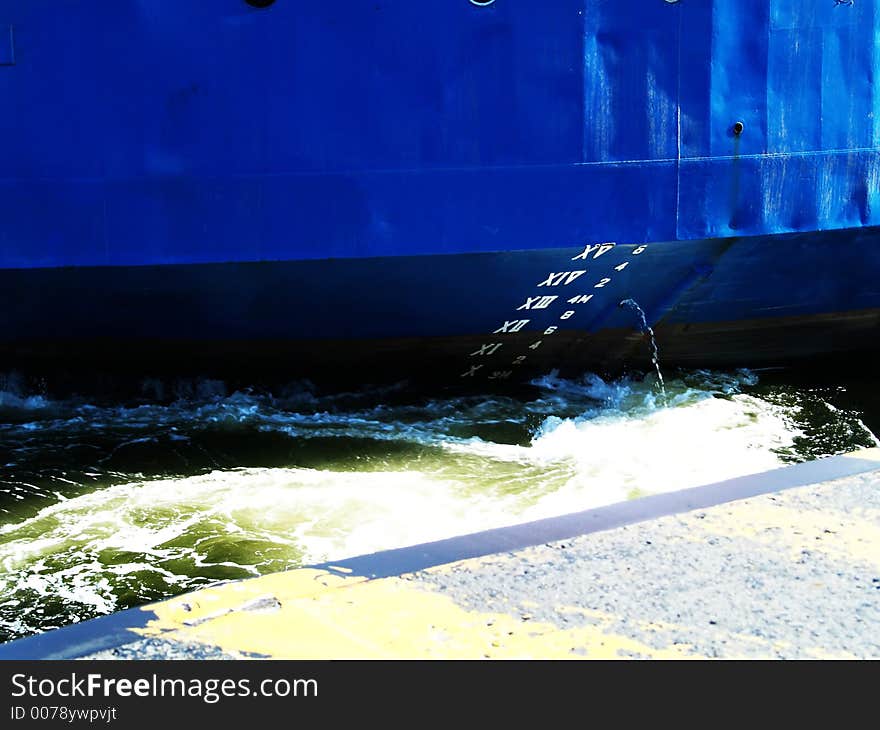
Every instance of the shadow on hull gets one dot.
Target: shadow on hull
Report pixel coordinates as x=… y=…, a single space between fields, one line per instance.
x=817 y=342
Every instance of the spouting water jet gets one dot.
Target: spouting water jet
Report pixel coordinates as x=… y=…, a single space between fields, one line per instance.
x=655 y=353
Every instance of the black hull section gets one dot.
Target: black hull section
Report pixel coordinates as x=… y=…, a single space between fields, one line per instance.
x=847 y=340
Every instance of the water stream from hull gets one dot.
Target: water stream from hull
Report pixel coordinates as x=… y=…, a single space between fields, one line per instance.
x=655 y=353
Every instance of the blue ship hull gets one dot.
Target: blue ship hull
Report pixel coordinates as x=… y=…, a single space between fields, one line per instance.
x=432 y=190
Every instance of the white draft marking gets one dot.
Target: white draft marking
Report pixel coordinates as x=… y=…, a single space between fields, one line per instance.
x=471 y=371
x=537 y=302
x=511 y=326
x=489 y=349
x=597 y=249
x=563 y=277
x=554 y=278
x=501 y=375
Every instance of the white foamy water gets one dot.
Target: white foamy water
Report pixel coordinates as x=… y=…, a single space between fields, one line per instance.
x=389 y=475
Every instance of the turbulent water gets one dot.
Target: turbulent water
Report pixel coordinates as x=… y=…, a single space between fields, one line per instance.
x=106 y=505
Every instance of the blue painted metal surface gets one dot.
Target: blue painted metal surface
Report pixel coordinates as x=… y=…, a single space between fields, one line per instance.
x=7 y=45
x=177 y=133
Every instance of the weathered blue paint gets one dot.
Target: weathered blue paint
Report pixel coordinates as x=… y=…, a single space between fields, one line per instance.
x=177 y=133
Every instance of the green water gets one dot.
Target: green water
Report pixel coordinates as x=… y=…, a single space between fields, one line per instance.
x=110 y=504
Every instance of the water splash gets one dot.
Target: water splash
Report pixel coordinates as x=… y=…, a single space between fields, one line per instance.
x=655 y=353
x=106 y=505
